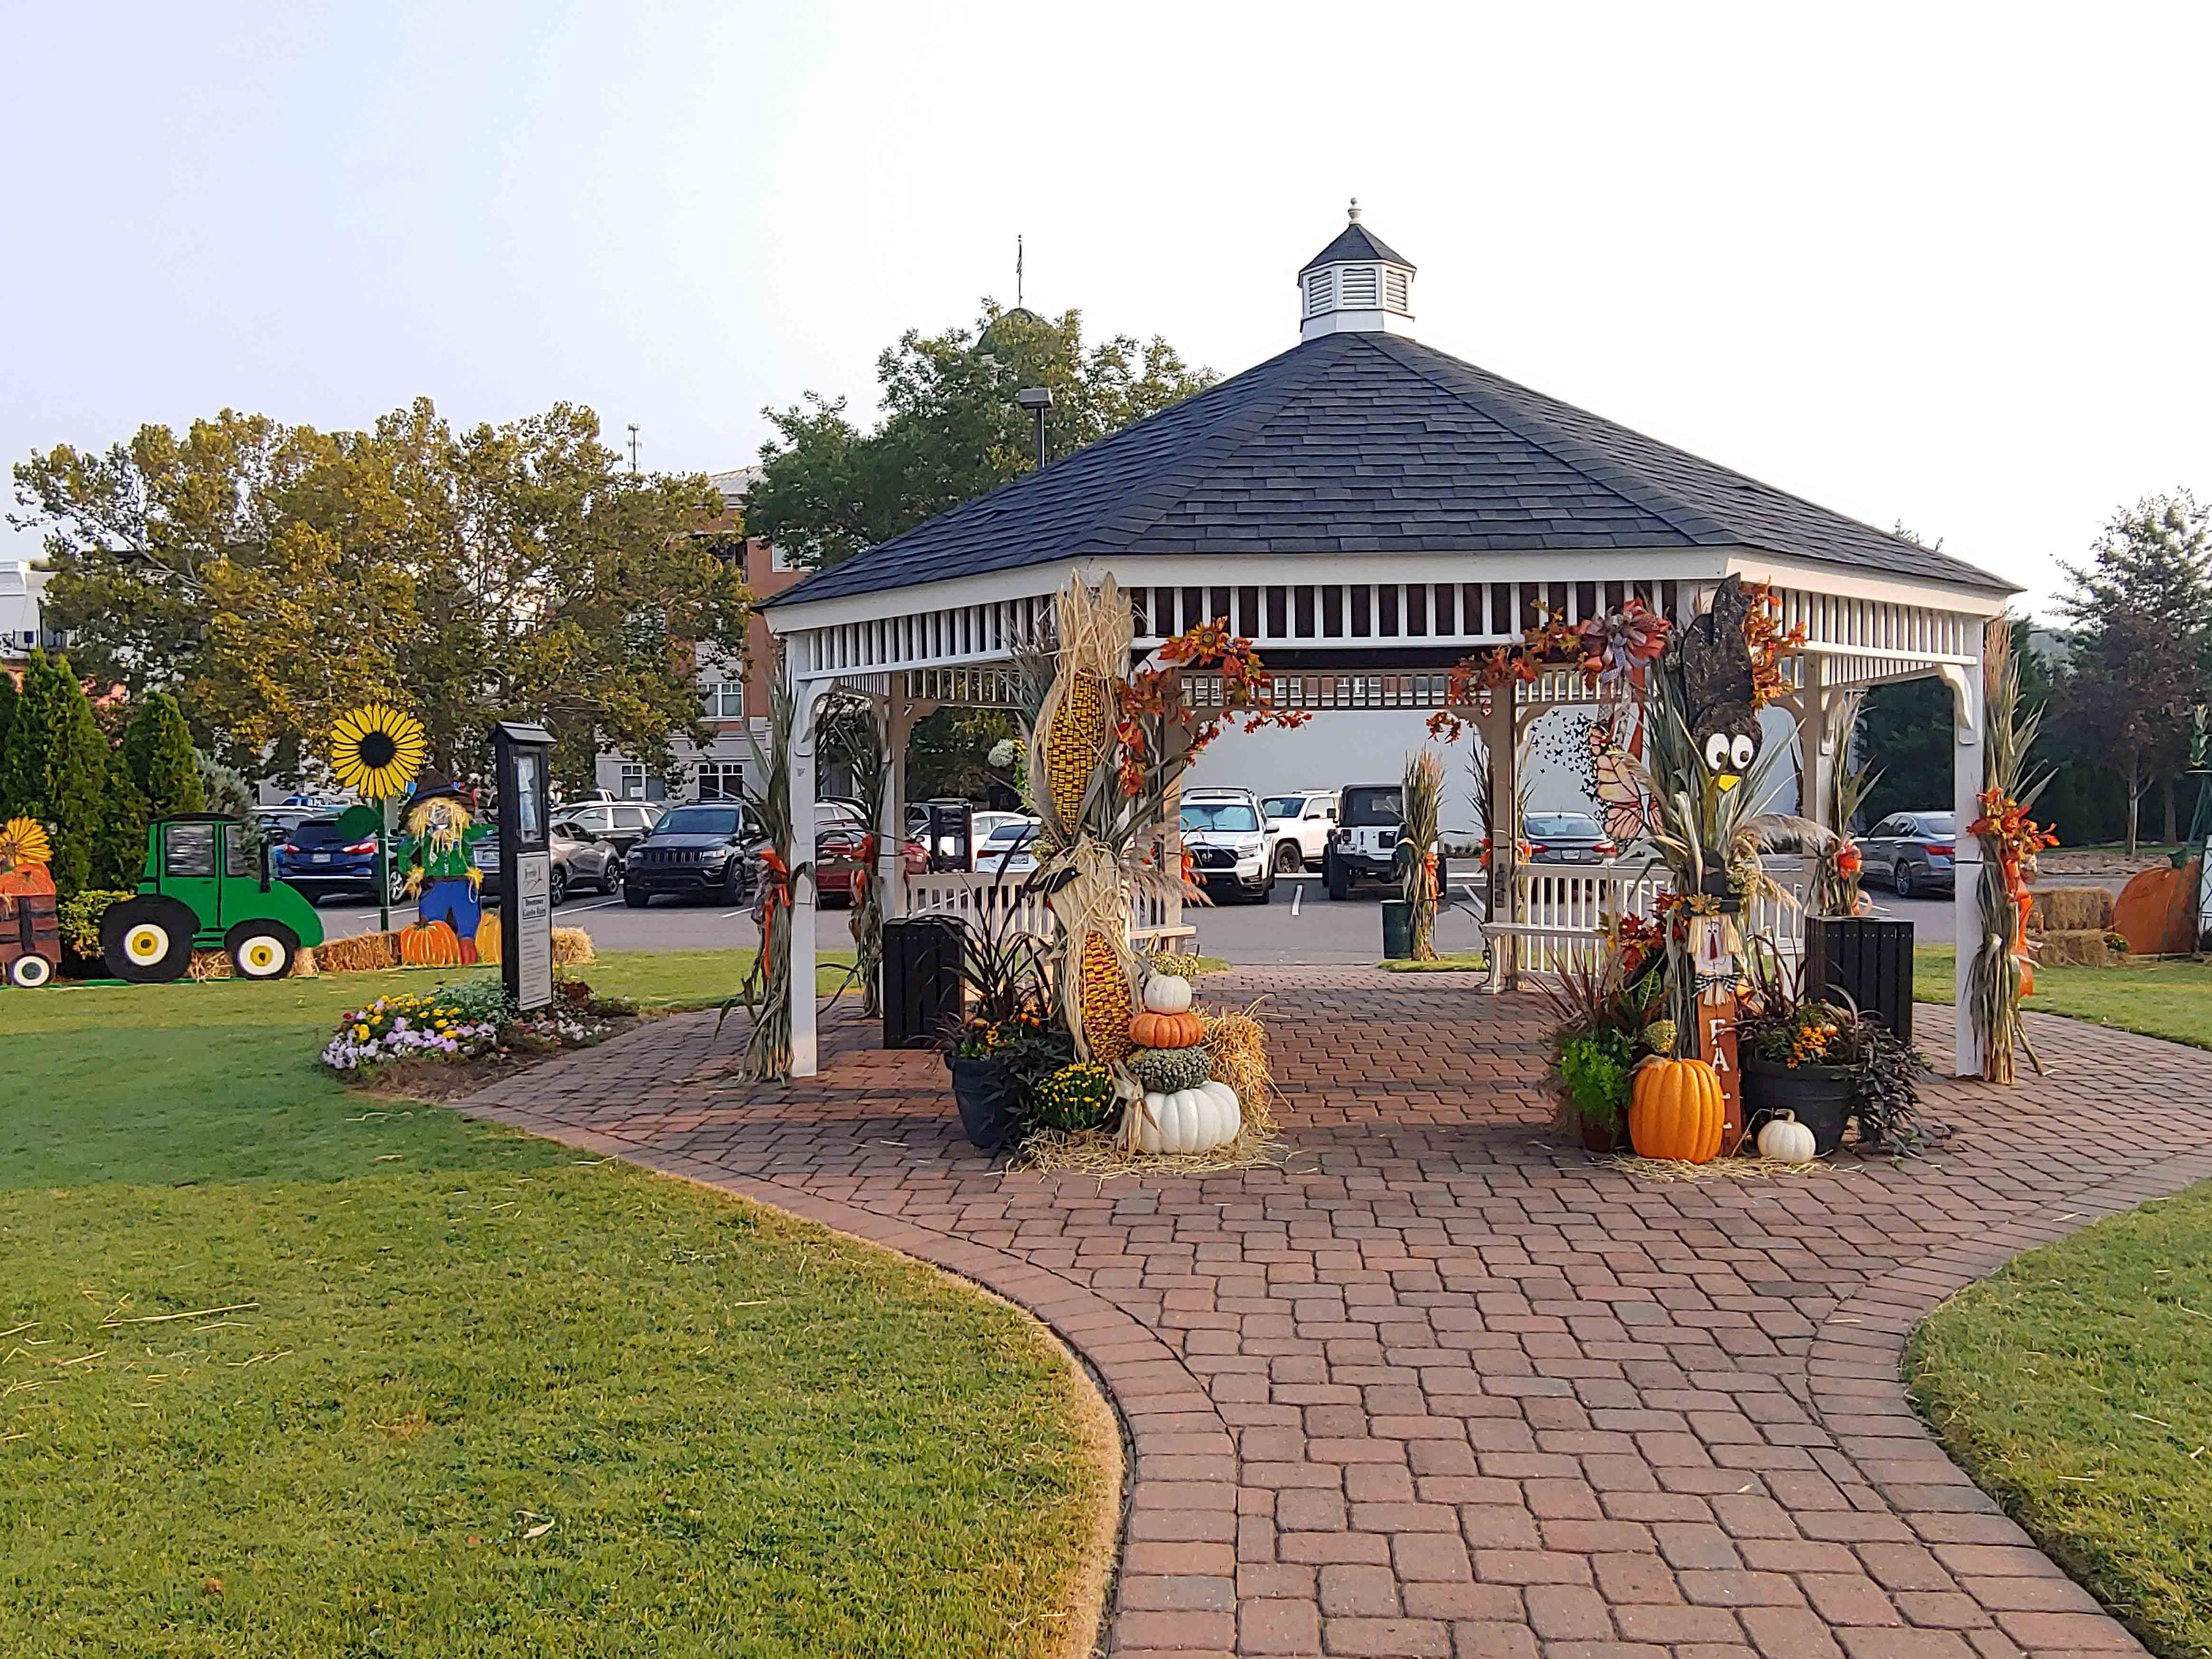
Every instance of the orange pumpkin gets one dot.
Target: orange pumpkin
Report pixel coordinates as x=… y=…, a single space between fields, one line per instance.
x=490 y=942
x=430 y=945
x=1675 y=1110
x=1148 y=1029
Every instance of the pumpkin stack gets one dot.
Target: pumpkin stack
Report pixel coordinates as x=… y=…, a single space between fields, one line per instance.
x=1183 y=1109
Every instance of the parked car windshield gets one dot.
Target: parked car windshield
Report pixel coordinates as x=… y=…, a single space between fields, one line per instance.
x=1938 y=823
x=702 y=821
x=1228 y=816
x=1012 y=834
x=1564 y=826
x=1367 y=808
x=1283 y=806
x=316 y=832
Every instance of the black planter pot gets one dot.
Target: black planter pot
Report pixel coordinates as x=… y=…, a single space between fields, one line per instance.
x=990 y=1108
x=1818 y=1097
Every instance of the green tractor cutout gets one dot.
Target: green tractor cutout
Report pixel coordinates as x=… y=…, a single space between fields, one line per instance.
x=207 y=887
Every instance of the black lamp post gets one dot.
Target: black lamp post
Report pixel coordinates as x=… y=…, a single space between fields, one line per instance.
x=1036 y=399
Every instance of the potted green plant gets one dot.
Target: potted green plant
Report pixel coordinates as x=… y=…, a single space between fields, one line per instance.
x=1008 y=1037
x=1823 y=1061
x=1603 y=1032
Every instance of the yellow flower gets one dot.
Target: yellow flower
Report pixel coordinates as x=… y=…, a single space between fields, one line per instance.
x=377 y=750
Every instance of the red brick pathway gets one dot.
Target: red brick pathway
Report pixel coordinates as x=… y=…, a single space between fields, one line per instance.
x=1441 y=1387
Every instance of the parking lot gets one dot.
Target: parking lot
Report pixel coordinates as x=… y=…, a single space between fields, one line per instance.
x=1302 y=925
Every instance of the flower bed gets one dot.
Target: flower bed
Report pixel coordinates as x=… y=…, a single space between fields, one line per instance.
x=451 y=1039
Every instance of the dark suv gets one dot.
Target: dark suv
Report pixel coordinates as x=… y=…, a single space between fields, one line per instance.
x=321 y=862
x=696 y=851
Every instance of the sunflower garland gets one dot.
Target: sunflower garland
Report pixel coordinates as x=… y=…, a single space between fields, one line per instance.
x=376 y=751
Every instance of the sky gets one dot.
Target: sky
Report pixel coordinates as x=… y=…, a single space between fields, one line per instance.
x=1939 y=265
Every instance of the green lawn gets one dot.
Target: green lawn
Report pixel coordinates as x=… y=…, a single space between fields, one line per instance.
x=2076 y=1386
x=2170 y=999
x=748 y=1436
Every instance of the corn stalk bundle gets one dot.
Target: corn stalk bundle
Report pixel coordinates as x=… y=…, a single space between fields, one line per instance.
x=1421 y=794
x=1072 y=739
x=852 y=734
x=1993 y=975
x=766 y=991
x=1096 y=971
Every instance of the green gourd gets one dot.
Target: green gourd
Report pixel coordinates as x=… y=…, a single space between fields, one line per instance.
x=1163 y=1071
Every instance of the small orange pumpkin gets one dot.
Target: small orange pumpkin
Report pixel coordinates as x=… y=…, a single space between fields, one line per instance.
x=430 y=945
x=1148 y=1029
x=1675 y=1110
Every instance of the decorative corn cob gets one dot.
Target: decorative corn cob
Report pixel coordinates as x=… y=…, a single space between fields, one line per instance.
x=1106 y=1006
x=1074 y=742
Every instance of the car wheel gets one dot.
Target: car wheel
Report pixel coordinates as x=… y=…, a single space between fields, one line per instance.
x=1901 y=879
x=556 y=884
x=635 y=900
x=261 y=950
x=733 y=882
x=610 y=878
x=1338 y=877
x=148 y=940
x=28 y=973
x=1290 y=859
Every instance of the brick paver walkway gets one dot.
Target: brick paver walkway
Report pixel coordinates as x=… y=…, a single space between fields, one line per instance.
x=1442 y=1388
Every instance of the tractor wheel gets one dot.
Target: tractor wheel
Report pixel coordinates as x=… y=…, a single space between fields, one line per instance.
x=149 y=939
x=261 y=950
x=28 y=973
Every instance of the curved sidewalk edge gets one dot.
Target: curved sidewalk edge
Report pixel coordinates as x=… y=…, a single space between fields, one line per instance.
x=1180 y=1488
x=1888 y=1461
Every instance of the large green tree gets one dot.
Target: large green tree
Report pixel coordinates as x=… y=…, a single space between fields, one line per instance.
x=2141 y=646
x=275 y=576
x=56 y=765
x=157 y=748
x=951 y=430
x=7 y=700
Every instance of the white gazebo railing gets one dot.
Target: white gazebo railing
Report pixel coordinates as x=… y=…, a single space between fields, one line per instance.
x=987 y=903
x=1564 y=914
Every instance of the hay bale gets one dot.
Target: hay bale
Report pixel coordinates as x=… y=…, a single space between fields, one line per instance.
x=209 y=965
x=1236 y=1054
x=572 y=948
x=2074 y=947
x=2068 y=909
x=364 y=953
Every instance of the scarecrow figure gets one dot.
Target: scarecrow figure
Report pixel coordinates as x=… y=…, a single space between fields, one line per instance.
x=438 y=852
x=1719 y=689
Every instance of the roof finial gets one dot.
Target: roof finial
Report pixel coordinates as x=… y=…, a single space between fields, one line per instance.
x=1352 y=212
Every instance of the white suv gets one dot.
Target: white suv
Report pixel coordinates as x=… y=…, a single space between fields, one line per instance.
x=1298 y=826
x=1227 y=840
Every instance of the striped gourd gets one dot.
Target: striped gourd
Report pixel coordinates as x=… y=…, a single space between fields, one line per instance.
x=1074 y=743
x=1106 y=1009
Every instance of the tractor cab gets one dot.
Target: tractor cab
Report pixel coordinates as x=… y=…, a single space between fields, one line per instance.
x=207 y=886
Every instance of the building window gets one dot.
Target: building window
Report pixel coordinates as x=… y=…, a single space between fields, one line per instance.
x=634 y=782
x=779 y=560
x=725 y=701
x=721 y=780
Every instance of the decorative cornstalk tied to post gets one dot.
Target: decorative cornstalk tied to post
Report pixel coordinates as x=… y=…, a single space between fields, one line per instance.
x=852 y=734
x=1999 y=975
x=1836 y=877
x=1421 y=794
x=766 y=992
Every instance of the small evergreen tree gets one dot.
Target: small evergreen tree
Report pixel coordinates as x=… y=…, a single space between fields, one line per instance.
x=57 y=766
x=224 y=789
x=119 y=851
x=23 y=746
x=7 y=700
x=163 y=763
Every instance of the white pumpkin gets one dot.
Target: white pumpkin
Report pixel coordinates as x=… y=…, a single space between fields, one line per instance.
x=1165 y=994
x=1190 y=1119
x=1786 y=1140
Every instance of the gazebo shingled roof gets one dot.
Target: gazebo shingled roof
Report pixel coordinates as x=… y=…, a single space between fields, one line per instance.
x=1373 y=443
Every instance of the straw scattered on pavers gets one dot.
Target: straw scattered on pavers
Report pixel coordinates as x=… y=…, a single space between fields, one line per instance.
x=1435 y=1385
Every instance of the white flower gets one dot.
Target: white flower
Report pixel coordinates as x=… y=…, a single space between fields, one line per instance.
x=1003 y=752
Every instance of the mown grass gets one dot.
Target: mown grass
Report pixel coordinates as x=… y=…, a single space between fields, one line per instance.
x=2169 y=999
x=1449 y=962
x=738 y=1435
x=218 y=1081
x=2076 y=1386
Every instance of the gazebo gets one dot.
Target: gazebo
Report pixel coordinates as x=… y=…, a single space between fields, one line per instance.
x=1369 y=511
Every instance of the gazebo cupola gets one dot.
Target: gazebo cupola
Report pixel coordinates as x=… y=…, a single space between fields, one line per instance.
x=1356 y=285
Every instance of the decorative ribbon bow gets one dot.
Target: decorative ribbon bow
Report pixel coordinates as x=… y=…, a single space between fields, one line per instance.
x=775 y=896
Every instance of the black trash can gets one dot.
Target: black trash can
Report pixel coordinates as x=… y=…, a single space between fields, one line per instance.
x=1397 y=930
x=921 y=978
x=1869 y=961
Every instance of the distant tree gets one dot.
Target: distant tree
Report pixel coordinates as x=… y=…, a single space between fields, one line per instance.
x=7 y=700
x=2142 y=644
x=1905 y=734
x=157 y=748
x=274 y=577
x=225 y=787
x=952 y=429
x=56 y=765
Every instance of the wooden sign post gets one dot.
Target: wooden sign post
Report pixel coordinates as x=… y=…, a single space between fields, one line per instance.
x=1714 y=964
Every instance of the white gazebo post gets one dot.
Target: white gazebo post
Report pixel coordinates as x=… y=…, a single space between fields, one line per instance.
x=807 y=699
x=896 y=718
x=1817 y=759
x=1968 y=715
x=1501 y=735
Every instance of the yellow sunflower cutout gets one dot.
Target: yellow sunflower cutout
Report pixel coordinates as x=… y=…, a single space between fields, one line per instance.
x=23 y=841
x=377 y=750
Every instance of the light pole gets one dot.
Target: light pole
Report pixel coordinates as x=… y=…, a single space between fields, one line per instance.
x=1036 y=399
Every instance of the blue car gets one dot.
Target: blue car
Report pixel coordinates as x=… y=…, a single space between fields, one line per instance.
x=318 y=861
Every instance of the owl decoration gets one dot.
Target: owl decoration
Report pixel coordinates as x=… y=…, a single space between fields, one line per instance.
x=1719 y=689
